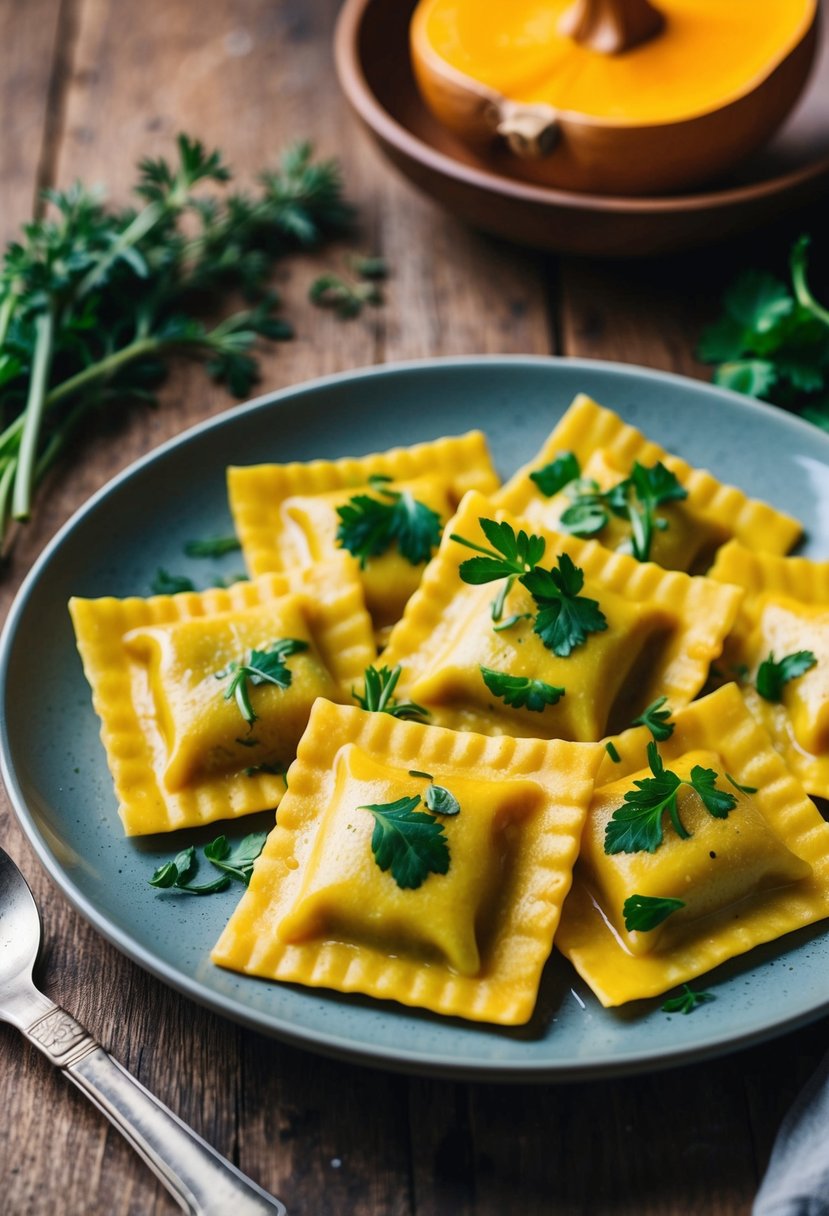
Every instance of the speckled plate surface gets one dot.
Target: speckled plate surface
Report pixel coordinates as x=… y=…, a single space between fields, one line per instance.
x=55 y=770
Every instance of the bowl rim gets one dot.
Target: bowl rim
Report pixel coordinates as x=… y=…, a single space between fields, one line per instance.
x=355 y=85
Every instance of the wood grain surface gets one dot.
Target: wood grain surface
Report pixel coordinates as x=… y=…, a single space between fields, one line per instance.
x=87 y=87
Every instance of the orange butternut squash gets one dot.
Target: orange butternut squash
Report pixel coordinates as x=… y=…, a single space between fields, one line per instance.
x=613 y=96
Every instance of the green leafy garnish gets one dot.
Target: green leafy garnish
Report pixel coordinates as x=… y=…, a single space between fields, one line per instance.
x=773 y=674
x=743 y=789
x=657 y=720
x=511 y=553
x=772 y=340
x=553 y=477
x=347 y=296
x=96 y=302
x=644 y=912
x=512 y=621
x=263 y=667
x=564 y=618
x=635 y=499
x=440 y=800
x=610 y=748
x=165 y=583
x=415 y=772
x=687 y=1001
x=520 y=691
x=371 y=526
x=378 y=697
x=410 y=843
x=497 y=607
x=215 y=546
x=235 y=860
x=636 y=827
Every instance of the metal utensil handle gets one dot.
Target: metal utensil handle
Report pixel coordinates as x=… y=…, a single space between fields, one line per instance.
x=202 y=1181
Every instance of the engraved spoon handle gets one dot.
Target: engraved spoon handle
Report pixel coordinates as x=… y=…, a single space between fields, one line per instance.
x=198 y=1177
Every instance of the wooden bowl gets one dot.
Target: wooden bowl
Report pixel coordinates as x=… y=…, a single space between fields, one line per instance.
x=372 y=56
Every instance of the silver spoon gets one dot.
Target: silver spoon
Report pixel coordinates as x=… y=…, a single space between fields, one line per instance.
x=201 y=1180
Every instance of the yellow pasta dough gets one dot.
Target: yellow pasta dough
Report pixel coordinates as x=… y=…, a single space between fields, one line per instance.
x=606 y=449
x=785 y=611
x=757 y=873
x=471 y=941
x=179 y=747
x=664 y=629
x=286 y=515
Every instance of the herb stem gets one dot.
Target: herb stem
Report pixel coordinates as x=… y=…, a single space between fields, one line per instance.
x=6 y=313
x=800 y=284
x=33 y=415
x=140 y=226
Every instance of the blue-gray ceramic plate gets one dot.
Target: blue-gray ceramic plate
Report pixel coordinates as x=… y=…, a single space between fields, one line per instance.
x=57 y=777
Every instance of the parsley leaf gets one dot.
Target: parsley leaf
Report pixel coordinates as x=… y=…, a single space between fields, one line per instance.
x=773 y=674
x=687 y=1001
x=510 y=554
x=371 y=526
x=236 y=861
x=377 y=697
x=263 y=667
x=657 y=720
x=564 y=618
x=170 y=584
x=410 y=843
x=553 y=477
x=645 y=912
x=215 y=546
x=520 y=691
x=636 y=827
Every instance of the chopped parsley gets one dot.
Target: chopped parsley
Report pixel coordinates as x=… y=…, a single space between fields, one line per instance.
x=440 y=800
x=553 y=477
x=773 y=674
x=520 y=692
x=410 y=843
x=645 y=912
x=165 y=583
x=636 y=498
x=687 y=1001
x=263 y=667
x=234 y=860
x=610 y=748
x=380 y=683
x=371 y=526
x=636 y=827
x=657 y=720
x=215 y=546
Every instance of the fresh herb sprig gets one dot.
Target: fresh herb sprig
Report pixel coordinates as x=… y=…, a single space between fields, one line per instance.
x=772 y=340
x=563 y=618
x=234 y=860
x=370 y=526
x=642 y=913
x=773 y=674
x=263 y=667
x=95 y=301
x=657 y=719
x=410 y=843
x=347 y=296
x=520 y=691
x=635 y=498
x=378 y=695
x=687 y=1001
x=636 y=827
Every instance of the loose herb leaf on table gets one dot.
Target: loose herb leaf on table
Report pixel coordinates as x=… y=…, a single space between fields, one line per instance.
x=772 y=340
x=95 y=301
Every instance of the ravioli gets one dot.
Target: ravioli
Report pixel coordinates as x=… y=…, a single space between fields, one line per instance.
x=750 y=876
x=785 y=611
x=470 y=942
x=181 y=750
x=606 y=449
x=286 y=515
x=664 y=629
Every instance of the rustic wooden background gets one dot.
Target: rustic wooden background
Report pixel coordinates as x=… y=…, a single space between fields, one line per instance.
x=86 y=88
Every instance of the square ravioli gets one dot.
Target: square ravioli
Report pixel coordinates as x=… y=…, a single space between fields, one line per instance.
x=736 y=856
x=661 y=631
x=592 y=450
x=784 y=616
x=466 y=933
x=296 y=514
x=203 y=696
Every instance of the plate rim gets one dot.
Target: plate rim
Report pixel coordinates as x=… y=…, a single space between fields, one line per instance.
x=362 y=97
x=330 y=1043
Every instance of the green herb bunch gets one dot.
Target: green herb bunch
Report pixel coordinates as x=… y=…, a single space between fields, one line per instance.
x=772 y=340
x=94 y=301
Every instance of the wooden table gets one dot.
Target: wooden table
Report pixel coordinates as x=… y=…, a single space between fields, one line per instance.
x=87 y=87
